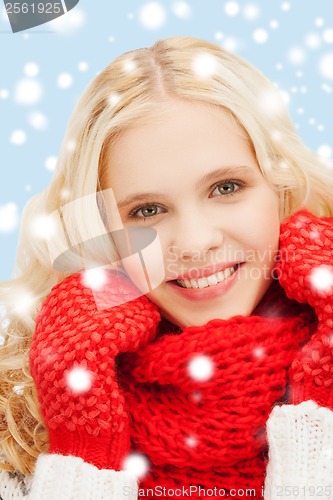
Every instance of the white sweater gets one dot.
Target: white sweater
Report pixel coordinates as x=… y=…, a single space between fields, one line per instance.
x=300 y=439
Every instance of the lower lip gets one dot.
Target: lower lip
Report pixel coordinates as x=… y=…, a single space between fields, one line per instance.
x=209 y=292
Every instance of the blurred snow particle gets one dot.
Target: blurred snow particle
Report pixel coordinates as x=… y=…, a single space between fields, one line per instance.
x=322 y=278
x=285 y=6
x=136 y=464
x=271 y=102
x=114 y=99
x=230 y=43
x=279 y=66
x=2 y=340
x=27 y=187
x=130 y=15
x=299 y=74
x=300 y=111
x=4 y=94
x=285 y=96
x=19 y=390
x=79 y=380
x=325 y=151
x=31 y=69
x=200 y=368
x=65 y=80
x=274 y=24
x=51 y=163
x=129 y=66
x=296 y=55
x=182 y=9
x=18 y=137
x=319 y=22
x=37 y=120
x=83 y=66
x=260 y=35
x=24 y=301
x=28 y=92
x=70 y=23
x=218 y=35
x=259 y=353
x=231 y=8
x=204 y=65
x=8 y=217
x=312 y=40
x=43 y=227
x=328 y=36
x=326 y=66
x=251 y=12
x=327 y=88
x=95 y=278
x=152 y=15
x=191 y=441
x=111 y=39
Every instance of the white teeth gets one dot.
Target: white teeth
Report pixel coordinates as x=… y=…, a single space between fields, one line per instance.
x=211 y=280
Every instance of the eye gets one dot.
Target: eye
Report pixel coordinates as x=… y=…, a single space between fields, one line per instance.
x=145 y=211
x=226 y=188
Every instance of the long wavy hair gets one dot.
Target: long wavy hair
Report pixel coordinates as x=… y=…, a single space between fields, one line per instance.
x=129 y=91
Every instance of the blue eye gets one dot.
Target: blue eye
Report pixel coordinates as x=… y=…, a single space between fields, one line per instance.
x=227 y=188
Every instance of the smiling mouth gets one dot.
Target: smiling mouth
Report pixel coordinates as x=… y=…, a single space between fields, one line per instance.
x=208 y=281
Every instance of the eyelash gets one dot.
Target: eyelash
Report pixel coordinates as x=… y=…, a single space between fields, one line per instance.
x=133 y=213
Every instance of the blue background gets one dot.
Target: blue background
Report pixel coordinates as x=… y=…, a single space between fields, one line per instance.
x=34 y=113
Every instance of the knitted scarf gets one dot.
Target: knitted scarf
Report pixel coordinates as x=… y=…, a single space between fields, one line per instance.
x=211 y=433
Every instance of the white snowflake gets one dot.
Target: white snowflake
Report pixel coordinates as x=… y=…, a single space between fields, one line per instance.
x=38 y=120
x=230 y=43
x=51 y=163
x=129 y=66
x=28 y=92
x=296 y=55
x=271 y=102
x=319 y=22
x=312 y=41
x=136 y=464
x=65 y=80
x=326 y=66
x=259 y=353
x=285 y=6
x=201 y=368
x=43 y=226
x=79 y=380
x=328 y=36
x=24 y=302
x=95 y=278
x=251 y=12
x=130 y=15
x=4 y=94
x=325 y=151
x=260 y=35
x=19 y=390
x=327 y=88
x=18 y=137
x=182 y=9
x=114 y=99
x=322 y=278
x=70 y=23
x=231 y=8
x=300 y=111
x=204 y=65
x=152 y=15
x=218 y=35
x=83 y=66
x=31 y=69
x=274 y=24
x=191 y=441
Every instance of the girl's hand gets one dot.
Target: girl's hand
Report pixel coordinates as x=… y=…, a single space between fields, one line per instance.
x=73 y=363
x=305 y=271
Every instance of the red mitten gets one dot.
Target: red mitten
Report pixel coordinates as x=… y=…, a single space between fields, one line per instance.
x=72 y=361
x=305 y=270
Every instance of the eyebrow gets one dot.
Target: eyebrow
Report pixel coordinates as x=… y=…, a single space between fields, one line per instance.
x=210 y=177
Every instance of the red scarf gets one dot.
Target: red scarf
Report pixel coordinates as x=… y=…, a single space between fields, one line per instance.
x=211 y=434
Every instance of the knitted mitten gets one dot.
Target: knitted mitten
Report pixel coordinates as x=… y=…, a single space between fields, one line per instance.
x=73 y=363
x=305 y=271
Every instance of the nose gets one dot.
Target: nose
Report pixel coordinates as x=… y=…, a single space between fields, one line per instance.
x=195 y=234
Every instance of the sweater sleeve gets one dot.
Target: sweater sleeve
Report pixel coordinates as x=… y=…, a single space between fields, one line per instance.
x=300 y=439
x=59 y=477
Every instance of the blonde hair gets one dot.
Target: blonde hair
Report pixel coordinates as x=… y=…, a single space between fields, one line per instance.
x=129 y=90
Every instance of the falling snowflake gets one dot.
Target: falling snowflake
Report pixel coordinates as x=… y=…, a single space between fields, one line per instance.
x=274 y=24
x=95 y=278
x=24 y=302
x=43 y=227
x=326 y=66
x=259 y=353
x=325 y=151
x=296 y=55
x=19 y=390
x=152 y=15
x=312 y=40
x=79 y=380
x=251 y=12
x=230 y=43
x=38 y=120
x=28 y=92
x=201 y=368
x=260 y=35
x=129 y=66
x=70 y=23
x=18 y=137
x=51 y=163
x=285 y=6
x=319 y=22
x=8 y=217
x=218 y=35
x=114 y=99
x=83 y=66
x=136 y=464
x=231 y=9
x=31 y=69
x=181 y=9
x=65 y=80
x=191 y=441
x=4 y=94
x=322 y=278
x=204 y=65
x=328 y=36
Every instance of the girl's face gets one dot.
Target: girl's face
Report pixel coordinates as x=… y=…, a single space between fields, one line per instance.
x=193 y=177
